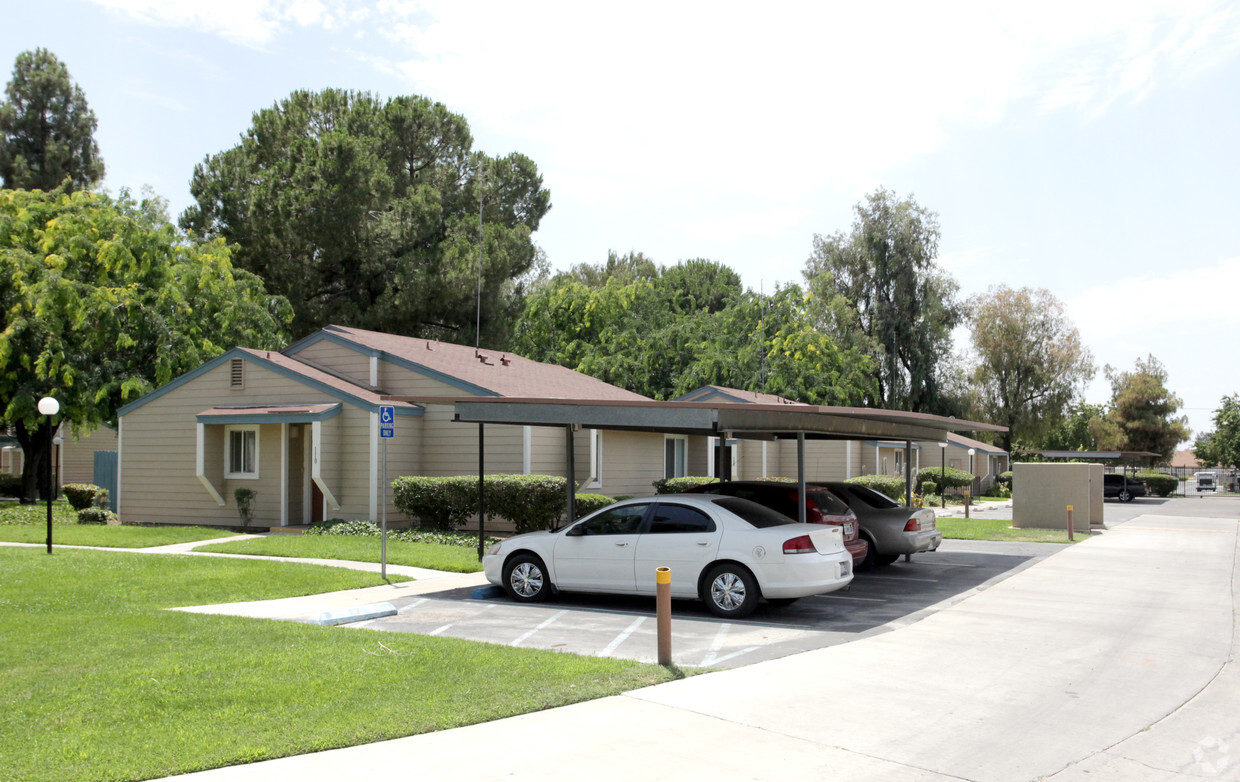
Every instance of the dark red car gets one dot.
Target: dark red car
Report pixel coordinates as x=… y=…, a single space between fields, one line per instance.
x=821 y=507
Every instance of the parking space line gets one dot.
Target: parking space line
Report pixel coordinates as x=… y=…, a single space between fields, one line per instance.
x=413 y=605
x=450 y=625
x=549 y=620
x=619 y=639
x=903 y=578
x=717 y=644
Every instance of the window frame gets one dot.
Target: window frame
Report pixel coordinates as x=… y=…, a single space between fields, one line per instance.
x=241 y=429
x=678 y=443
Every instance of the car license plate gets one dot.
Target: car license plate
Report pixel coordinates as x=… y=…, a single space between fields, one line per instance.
x=849 y=528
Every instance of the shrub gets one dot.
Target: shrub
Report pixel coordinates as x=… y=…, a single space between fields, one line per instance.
x=1160 y=484
x=1004 y=479
x=437 y=503
x=95 y=516
x=82 y=495
x=950 y=478
x=10 y=485
x=588 y=503
x=529 y=501
x=245 y=504
x=928 y=488
x=891 y=485
x=679 y=485
x=342 y=527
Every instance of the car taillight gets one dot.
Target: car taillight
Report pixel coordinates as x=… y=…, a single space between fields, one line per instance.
x=913 y=525
x=799 y=545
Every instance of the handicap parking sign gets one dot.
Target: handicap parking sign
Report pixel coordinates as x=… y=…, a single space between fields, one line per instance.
x=387 y=421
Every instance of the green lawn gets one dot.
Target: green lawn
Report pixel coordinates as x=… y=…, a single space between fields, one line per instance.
x=457 y=559
x=999 y=529
x=28 y=524
x=98 y=682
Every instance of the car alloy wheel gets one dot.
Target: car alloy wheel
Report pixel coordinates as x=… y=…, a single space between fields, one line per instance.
x=525 y=579
x=731 y=591
x=1125 y=496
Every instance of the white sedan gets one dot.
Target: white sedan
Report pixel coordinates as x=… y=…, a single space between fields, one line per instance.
x=726 y=551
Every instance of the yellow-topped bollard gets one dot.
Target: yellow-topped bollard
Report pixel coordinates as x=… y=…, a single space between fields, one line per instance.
x=663 y=612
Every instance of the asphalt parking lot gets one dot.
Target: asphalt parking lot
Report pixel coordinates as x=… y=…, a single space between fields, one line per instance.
x=877 y=602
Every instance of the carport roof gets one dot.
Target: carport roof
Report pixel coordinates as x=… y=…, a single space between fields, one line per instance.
x=750 y=421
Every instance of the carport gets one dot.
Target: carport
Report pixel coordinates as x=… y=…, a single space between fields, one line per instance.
x=724 y=421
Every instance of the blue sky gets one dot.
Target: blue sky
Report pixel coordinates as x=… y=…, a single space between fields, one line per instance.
x=1088 y=148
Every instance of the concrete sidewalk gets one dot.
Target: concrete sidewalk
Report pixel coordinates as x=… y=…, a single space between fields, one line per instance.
x=1114 y=659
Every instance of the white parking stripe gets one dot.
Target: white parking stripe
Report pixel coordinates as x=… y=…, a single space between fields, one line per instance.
x=413 y=605
x=553 y=617
x=720 y=638
x=619 y=639
x=450 y=625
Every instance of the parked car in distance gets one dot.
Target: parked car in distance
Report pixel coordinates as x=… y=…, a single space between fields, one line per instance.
x=1122 y=488
x=890 y=528
x=821 y=507
x=726 y=551
x=1205 y=481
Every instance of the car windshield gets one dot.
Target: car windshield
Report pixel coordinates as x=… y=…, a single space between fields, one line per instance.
x=759 y=516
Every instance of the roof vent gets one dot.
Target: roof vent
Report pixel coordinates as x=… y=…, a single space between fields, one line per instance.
x=505 y=360
x=236 y=377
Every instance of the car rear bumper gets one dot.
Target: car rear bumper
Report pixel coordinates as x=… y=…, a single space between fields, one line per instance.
x=917 y=542
x=858 y=549
x=815 y=575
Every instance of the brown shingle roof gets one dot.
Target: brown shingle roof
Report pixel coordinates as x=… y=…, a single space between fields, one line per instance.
x=319 y=376
x=500 y=372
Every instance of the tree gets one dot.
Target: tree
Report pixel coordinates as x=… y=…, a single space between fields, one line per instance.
x=1072 y=432
x=1222 y=446
x=102 y=301
x=663 y=332
x=1143 y=410
x=882 y=293
x=1030 y=360
x=370 y=213
x=46 y=128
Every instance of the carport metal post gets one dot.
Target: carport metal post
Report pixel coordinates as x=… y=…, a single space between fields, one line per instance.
x=801 y=514
x=482 y=497
x=568 y=473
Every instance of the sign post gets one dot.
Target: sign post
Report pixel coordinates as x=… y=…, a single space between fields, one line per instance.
x=387 y=430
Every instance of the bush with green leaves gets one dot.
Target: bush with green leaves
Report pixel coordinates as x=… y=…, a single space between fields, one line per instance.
x=588 y=503
x=10 y=486
x=530 y=502
x=680 y=485
x=95 y=516
x=1004 y=479
x=358 y=527
x=943 y=478
x=891 y=485
x=436 y=503
x=82 y=495
x=1160 y=484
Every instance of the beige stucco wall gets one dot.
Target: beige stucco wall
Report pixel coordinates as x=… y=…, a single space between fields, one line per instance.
x=1041 y=494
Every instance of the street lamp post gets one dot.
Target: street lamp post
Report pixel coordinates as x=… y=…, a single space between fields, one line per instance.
x=943 y=475
x=972 y=475
x=49 y=407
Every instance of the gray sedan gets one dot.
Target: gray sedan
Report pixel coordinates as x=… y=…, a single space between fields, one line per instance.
x=890 y=528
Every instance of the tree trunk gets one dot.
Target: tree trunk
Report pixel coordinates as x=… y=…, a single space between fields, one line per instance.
x=34 y=466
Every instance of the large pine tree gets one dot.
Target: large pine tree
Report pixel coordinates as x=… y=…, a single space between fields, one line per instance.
x=46 y=128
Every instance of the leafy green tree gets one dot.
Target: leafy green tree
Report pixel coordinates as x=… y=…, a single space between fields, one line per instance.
x=102 y=300
x=1144 y=411
x=1072 y=432
x=370 y=213
x=882 y=293
x=46 y=128
x=1030 y=360
x=1222 y=446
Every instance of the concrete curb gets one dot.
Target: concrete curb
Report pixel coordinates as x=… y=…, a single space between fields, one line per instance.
x=340 y=616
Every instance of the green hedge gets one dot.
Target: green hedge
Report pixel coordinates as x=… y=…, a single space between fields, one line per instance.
x=679 y=485
x=530 y=502
x=10 y=486
x=1004 y=479
x=891 y=485
x=950 y=478
x=1160 y=484
x=95 y=516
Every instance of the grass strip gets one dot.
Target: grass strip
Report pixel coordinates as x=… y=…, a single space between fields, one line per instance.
x=98 y=682
x=455 y=559
x=1000 y=529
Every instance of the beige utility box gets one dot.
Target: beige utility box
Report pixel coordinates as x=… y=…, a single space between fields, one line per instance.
x=1041 y=494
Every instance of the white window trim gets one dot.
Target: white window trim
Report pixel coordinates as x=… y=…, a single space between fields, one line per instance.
x=685 y=446
x=596 y=459
x=244 y=476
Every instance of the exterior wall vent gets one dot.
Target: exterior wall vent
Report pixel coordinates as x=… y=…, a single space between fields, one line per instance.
x=236 y=376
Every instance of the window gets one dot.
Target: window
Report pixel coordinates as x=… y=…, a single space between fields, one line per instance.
x=674 y=461
x=241 y=455
x=625 y=520
x=677 y=518
x=596 y=459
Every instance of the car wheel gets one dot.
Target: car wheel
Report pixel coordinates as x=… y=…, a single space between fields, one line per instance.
x=730 y=591
x=525 y=579
x=883 y=560
x=1125 y=495
x=871 y=556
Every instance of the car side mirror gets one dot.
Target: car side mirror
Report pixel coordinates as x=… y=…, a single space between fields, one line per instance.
x=576 y=531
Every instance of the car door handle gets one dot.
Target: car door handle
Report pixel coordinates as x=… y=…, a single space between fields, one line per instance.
x=622 y=545
x=703 y=542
